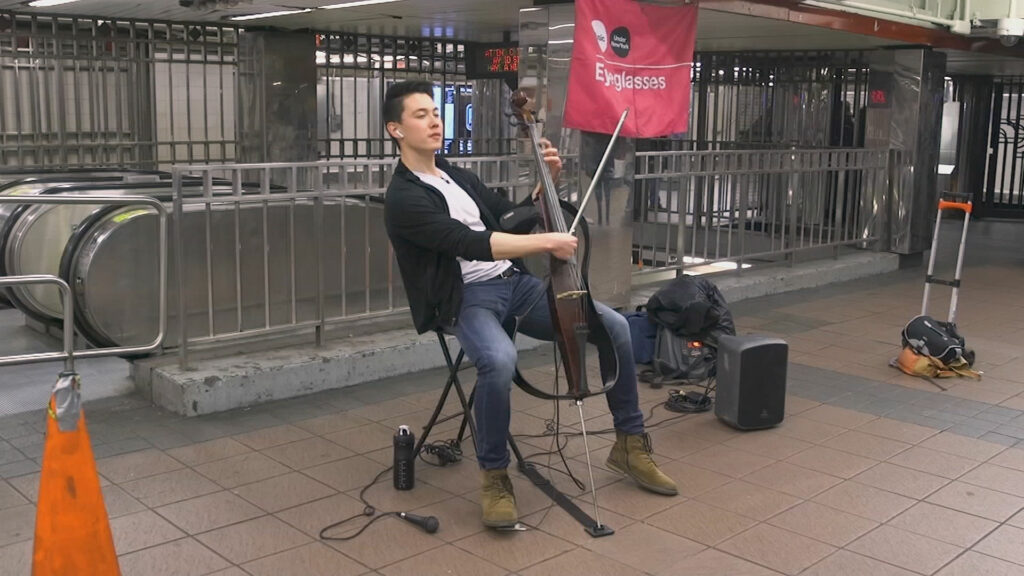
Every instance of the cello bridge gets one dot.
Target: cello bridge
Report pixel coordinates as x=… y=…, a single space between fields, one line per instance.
x=571 y=294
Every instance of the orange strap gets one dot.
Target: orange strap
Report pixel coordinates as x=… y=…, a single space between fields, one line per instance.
x=947 y=205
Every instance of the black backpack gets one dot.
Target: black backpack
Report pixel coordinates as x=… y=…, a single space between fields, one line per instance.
x=930 y=337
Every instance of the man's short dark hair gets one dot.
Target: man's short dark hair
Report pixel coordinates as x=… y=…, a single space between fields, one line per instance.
x=394 y=100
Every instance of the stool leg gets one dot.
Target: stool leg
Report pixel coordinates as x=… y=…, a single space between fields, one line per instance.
x=453 y=380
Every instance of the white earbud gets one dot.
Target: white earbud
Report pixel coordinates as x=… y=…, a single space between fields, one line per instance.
x=399 y=134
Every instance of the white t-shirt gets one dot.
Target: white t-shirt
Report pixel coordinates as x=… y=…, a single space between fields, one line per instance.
x=462 y=208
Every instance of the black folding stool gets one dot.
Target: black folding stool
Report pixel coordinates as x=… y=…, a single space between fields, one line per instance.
x=467 y=403
x=593 y=527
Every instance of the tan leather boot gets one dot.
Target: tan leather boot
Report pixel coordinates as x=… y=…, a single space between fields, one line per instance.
x=497 y=499
x=631 y=455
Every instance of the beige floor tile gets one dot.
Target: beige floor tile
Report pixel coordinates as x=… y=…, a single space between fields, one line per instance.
x=242 y=469
x=17 y=558
x=626 y=499
x=832 y=462
x=460 y=518
x=808 y=430
x=749 y=500
x=905 y=549
x=707 y=427
x=864 y=501
x=846 y=563
x=363 y=438
x=253 y=539
x=204 y=452
x=17 y=524
x=978 y=501
x=838 y=416
x=866 y=445
x=1006 y=543
x=208 y=512
x=974 y=564
x=444 y=561
x=904 y=481
x=792 y=480
x=823 y=523
x=796 y=405
x=387 y=409
x=377 y=547
x=314 y=559
x=184 y=557
x=700 y=522
x=943 y=524
x=934 y=462
x=233 y=571
x=713 y=562
x=311 y=518
x=460 y=478
x=170 y=487
x=134 y=465
x=673 y=444
x=729 y=461
x=273 y=436
x=281 y=492
x=308 y=453
x=581 y=561
x=776 y=548
x=897 y=430
x=693 y=480
x=142 y=530
x=9 y=497
x=768 y=443
x=963 y=446
x=515 y=550
x=998 y=478
x=384 y=496
x=1017 y=520
x=119 y=503
x=332 y=423
x=646 y=548
x=558 y=522
x=1012 y=458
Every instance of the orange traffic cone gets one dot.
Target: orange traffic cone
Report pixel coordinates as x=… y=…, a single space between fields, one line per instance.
x=72 y=530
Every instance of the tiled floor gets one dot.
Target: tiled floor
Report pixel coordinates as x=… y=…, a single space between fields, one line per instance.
x=872 y=472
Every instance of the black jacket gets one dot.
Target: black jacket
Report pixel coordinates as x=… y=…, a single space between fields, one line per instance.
x=694 y=307
x=427 y=240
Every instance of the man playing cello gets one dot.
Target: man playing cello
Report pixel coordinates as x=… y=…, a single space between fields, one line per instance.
x=460 y=276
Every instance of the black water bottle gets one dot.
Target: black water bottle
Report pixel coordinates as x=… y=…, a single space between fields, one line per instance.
x=405 y=469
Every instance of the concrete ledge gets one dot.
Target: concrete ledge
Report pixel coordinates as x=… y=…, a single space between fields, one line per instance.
x=220 y=384
x=777 y=279
x=243 y=380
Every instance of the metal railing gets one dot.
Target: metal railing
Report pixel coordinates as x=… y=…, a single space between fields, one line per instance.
x=701 y=208
x=68 y=300
x=304 y=249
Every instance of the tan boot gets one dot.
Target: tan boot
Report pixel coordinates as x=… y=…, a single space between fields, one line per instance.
x=498 y=500
x=631 y=455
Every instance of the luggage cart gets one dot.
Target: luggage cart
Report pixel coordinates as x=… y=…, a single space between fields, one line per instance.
x=955 y=282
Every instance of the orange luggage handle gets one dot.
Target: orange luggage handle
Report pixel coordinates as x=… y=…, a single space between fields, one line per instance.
x=946 y=205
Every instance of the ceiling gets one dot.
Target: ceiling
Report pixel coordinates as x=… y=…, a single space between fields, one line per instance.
x=490 y=20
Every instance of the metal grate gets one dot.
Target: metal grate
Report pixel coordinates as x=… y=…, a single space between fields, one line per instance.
x=1004 y=182
x=355 y=71
x=78 y=92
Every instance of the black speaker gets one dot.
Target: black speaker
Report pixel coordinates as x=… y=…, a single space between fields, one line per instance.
x=751 y=384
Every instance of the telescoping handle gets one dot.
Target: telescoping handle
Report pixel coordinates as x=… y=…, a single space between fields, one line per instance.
x=967 y=208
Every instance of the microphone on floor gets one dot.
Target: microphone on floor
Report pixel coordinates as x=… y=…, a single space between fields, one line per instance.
x=428 y=523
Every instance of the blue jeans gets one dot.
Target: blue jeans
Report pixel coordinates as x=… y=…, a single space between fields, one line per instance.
x=486 y=306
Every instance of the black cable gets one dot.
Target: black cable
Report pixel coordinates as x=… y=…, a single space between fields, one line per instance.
x=368 y=511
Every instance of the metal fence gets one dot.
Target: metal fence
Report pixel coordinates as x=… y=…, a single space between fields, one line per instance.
x=734 y=207
x=255 y=260
x=90 y=92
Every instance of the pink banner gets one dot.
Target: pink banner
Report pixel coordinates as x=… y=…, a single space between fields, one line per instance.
x=631 y=54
